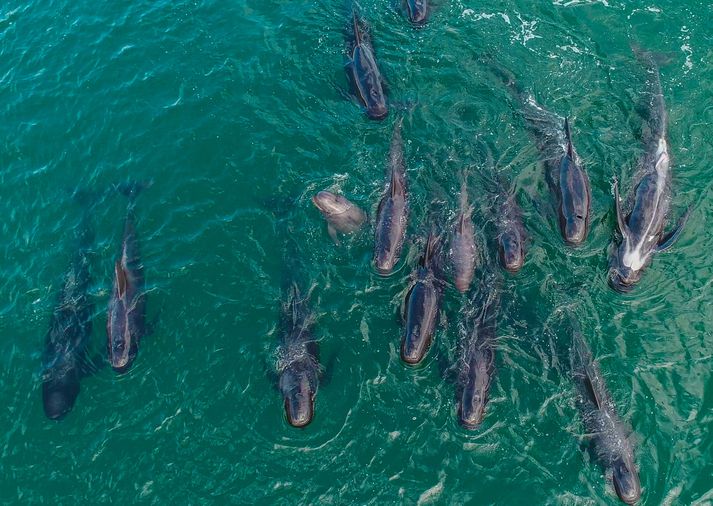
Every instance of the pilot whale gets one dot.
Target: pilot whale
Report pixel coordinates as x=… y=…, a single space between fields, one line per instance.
x=423 y=304
x=565 y=171
x=64 y=355
x=607 y=432
x=126 y=320
x=477 y=362
x=463 y=250
x=298 y=361
x=642 y=230
x=341 y=214
x=392 y=213
x=363 y=72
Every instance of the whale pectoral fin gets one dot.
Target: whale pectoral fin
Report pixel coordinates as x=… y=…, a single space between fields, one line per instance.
x=406 y=106
x=327 y=372
x=448 y=370
x=273 y=379
x=669 y=239
x=333 y=234
x=385 y=86
x=585 y=444
x=619 y=214
x=91 y=366
x=271 y=374
x=348 y=92
x=442 y=319
x=152 y=325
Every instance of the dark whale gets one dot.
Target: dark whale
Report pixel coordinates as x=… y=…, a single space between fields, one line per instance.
x=363 y=72
x=126 y=314
x=511 y=235
x=574 y=194
x=423 y=304
x=608 y=434
x=565 y=172
x=642 y=230
x=298 y=366
x=477 y=362
x=64 y=356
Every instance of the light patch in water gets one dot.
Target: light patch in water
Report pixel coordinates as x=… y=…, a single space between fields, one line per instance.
x=364 y=328
x=574 y=49
x=147 y=489
x=568 y=3
x=672 y=496
x=432 y=493
x=527 y=31
x=470 y=13
x=686 y=48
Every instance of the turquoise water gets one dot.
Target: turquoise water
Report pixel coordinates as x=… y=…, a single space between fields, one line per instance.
x=236 y=111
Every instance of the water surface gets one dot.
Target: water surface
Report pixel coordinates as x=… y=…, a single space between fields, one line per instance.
x=237 y=112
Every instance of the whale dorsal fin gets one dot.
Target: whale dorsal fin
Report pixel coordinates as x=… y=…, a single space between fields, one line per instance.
x=294 y=303
x=121 y=281
x=568 y=135
x=430 y=249
x=357 y=33
x=395 y=186
x=589 y=384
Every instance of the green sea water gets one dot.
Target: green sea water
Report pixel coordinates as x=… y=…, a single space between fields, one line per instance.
x=237 y=111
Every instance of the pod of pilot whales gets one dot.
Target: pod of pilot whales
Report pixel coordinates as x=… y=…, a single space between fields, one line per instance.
x=452 y=255
x=64 y=359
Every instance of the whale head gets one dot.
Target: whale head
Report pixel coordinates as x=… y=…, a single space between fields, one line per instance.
x=626 y=266
x=471 y=408
x=59 y=395
x=298 y=384
x=330 y=204
x=511 y=251
x=626 y=479
x=574 y=228
x=376 y=107
x=417 y=11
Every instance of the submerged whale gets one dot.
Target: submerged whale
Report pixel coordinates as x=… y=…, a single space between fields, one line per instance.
x=565 y=171
x=477 y=362
x=511 y=235
x=363 y=72
x=126 y=313
x=64 y=356
x=392 y=213
x=298 y=361
x=608 y=434
x=463 y=252
x=642 y=230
